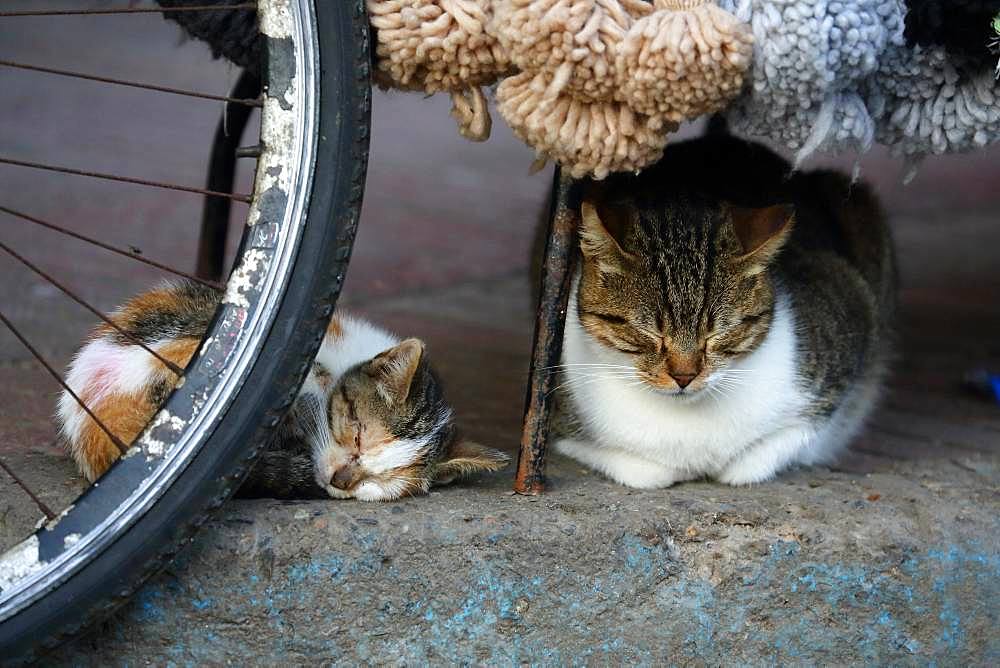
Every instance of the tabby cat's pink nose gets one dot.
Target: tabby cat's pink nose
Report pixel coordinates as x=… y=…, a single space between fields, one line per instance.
x=683 y=379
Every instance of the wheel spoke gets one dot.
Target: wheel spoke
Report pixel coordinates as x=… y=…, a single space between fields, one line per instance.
x=132 y=255
x=133 y=84
x=238 y=197
x=127 y=10
x=122 y=448
x=20 y=483
x=79 y=300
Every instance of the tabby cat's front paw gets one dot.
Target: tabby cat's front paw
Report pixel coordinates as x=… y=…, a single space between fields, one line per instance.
x=765 y=459
x=620 y=465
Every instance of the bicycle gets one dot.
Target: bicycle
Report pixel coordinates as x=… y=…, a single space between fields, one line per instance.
x=301 y=218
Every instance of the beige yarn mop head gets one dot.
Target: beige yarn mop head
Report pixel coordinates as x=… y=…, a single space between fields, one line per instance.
x=574 y=42
x=684 y=63
x=440 y=45
x=586 y=138
x=600 y=84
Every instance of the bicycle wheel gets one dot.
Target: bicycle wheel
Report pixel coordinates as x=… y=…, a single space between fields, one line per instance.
x=278 y=300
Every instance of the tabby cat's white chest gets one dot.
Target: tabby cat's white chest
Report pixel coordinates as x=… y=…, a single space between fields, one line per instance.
x=693 y=436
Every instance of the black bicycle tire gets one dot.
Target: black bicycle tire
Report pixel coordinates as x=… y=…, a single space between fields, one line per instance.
x=215 y=472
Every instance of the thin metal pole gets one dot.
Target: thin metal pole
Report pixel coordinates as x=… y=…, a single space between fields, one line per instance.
x=239 y=197
x=557 y=276
x=122 y=448
x=177 y=371
x=114 y=249
x=127 y=10
x=27 y=490
x=249 y=102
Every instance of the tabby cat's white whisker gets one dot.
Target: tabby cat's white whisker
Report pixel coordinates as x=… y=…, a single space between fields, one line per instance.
x=595 y=367
x=577 y=383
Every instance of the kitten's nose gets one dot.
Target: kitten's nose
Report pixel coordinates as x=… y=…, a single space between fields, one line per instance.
x=683 y=379
x=344 y=477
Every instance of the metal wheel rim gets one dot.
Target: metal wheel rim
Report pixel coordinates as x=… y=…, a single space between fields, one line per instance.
x=282 y=192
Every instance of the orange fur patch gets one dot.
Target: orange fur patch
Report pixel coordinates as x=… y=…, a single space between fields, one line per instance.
x=124 y=415
x=179 y=352
x=139 y=307
x=335 y=330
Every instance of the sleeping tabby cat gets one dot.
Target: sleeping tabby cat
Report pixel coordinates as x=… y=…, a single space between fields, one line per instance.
x=729 y=318
x=370 y=421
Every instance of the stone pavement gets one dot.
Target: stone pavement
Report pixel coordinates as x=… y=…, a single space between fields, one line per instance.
x=890 y=557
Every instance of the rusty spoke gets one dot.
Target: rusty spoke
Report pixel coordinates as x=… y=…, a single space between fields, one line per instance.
x=131 y=254
x=127 y=10
x=239 y=197
x=27 y=490
x=122 y=448
x=79 y=300
x=252 y=102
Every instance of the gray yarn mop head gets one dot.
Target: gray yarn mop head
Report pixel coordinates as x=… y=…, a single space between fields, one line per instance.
x=839 y=75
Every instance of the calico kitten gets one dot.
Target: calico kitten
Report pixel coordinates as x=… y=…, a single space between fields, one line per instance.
x=370 y=421
x=729 y=318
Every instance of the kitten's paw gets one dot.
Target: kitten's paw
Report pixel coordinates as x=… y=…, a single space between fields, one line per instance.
x=621 y=466
x=337 y=493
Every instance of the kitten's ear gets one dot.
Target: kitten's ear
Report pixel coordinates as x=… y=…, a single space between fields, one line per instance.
x=762 y=232
x=393 y=370
x=465 y=458
x=596 y=241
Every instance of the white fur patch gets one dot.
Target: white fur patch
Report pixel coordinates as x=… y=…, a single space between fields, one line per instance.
x=358 y=341
x=404 y=451
x=102 y=368
x=644 y=438
x=401 y=452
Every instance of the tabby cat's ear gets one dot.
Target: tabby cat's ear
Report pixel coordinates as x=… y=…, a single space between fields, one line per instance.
x=393 y=370
x=465 y=458
x=762 y=232
x=596 y=242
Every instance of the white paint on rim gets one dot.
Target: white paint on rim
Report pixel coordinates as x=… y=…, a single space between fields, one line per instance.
x=19 y=562
x=54 y=522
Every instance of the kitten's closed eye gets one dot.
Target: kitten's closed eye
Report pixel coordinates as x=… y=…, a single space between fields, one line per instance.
x=392 y=432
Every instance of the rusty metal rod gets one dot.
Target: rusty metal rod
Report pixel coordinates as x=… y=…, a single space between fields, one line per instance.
x=177 y=371
x=114 y=249
x=249 y=102
x=127 y=10
x=239 y=197
x=122 y=448
x=557 y=276
x=27 y=490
